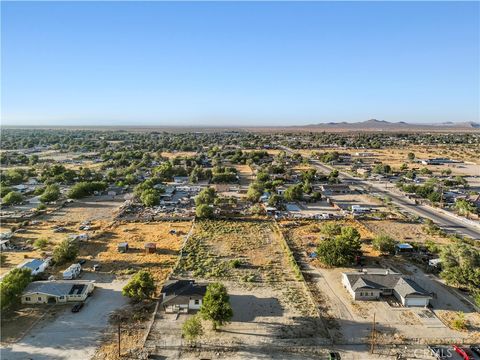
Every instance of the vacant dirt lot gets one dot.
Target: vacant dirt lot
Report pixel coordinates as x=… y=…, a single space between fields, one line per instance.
x=403 y=231
x=270 y=304
x=103 y=248
x=245 y=174
x=398 y=155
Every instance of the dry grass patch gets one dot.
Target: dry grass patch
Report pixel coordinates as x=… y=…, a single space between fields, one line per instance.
x=104 y=247
x=247 y=252
x=403 y=231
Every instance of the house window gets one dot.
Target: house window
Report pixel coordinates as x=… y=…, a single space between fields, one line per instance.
x=39 y=298
x=361 y=294
x=197 y=302
x=27 y=298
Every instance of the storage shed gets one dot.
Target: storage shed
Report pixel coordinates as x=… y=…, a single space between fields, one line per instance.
x=122 y=247
x=150 y=248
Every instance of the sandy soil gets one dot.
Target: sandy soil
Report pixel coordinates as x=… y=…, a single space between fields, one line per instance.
x=245 y=173
x=178 y=153
x=398 y=155
x=98 y=210
x=262 y=319
x=103 y=248
x=271 y=307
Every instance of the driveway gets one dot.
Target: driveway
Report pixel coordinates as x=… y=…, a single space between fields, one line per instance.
x=71 y=335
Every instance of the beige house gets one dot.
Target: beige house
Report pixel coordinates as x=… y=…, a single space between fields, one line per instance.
x=57 y=291
x=371 y=284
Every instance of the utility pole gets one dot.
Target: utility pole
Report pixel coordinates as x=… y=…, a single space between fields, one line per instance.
x=119 y=339
x=372 y=347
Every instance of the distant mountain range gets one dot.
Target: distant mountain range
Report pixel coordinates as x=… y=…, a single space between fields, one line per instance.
x=379 y=125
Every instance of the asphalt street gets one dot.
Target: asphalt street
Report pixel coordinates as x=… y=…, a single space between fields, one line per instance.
x=448 y=223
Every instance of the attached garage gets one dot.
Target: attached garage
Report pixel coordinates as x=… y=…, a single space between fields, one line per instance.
x=410 y=293
x=416 y=301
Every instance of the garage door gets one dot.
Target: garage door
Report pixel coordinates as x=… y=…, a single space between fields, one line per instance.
x=416 y=302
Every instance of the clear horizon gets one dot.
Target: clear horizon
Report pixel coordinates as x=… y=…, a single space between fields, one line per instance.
x=238 y=64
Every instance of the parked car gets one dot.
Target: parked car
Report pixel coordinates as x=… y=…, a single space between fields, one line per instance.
x=76 y=308
x=475 y=349
x=96 y=267
x=83 y=261
x=334 y=355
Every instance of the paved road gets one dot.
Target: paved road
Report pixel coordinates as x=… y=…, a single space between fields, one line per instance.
x=447 y=222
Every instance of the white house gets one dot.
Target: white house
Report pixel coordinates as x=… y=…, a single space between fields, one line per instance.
x=181 y=296
x=371 y=284
x=72 y=271
x=57 y=291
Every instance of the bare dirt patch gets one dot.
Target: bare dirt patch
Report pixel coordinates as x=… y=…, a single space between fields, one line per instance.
x=168 y=237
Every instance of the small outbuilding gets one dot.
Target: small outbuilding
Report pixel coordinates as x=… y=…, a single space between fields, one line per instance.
x=150 y=248
x=122 y=247
x=36 y=266
x=404 y=249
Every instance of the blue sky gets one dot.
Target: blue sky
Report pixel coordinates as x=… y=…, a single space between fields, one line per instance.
x=231 y=63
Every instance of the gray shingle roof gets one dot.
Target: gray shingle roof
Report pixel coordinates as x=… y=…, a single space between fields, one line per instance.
x=53 y=288
x=401 y=284
x=406 y=287
x=181 y=291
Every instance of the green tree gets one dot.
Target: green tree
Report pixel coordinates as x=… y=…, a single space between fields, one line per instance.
x=461 y=265
x=294 y=193
x=307 y=187
x=4 y=190
x=192 y=328
x=67 y=250
x=12 y=286
x=140 y=287
x=216 y=305
x=340 y=250
x=150 y=197
x=51 y=193
x=384 y=244
x=40 y=243
x=83 y=189
x=12 y=198
x=204 y=211
x=206 y=197
x=464 y=207
x=411 y=156
x=331 y=229
x=255 y=190
x=275 y=201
